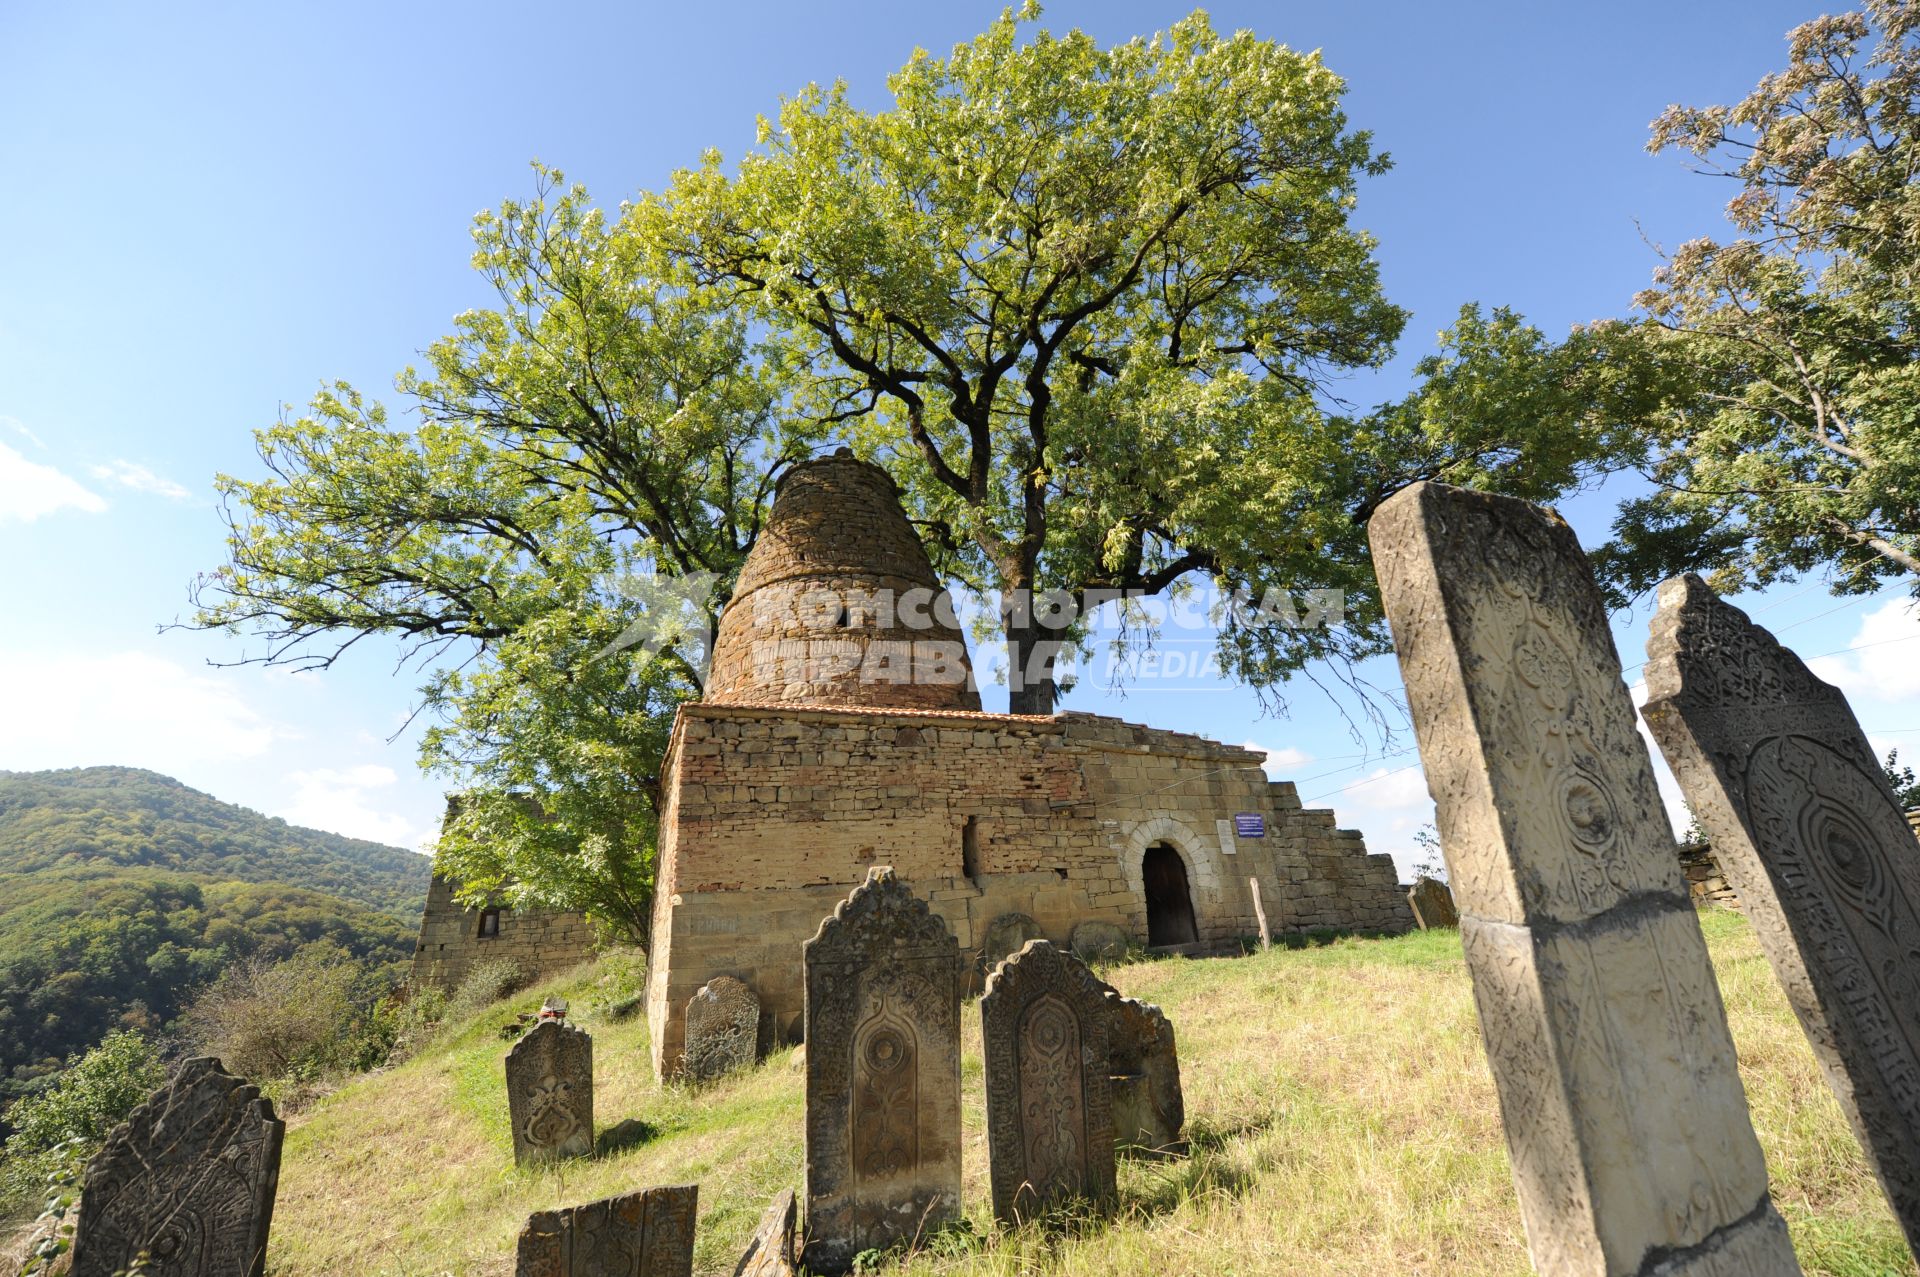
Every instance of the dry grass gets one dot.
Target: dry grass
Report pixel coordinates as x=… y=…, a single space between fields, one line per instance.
x=1342 y=1115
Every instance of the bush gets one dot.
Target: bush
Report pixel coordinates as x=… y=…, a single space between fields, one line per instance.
x=486 y=984
x=269 y=1020
x=89 y=1099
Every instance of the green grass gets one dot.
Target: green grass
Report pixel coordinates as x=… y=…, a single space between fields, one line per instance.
x=1341 y=1112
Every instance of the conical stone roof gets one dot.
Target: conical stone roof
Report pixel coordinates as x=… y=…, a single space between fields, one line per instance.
x=838 y=603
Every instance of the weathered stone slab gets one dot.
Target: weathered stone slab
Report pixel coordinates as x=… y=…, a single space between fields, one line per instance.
x=643 y=1234
x=1632 y=1149
x=1044 y=1023
x=883 y=1074
x=550 y=1093
x=1149 y=1117
x=1432 y=904
x=1099 y=942
x=723 y=1030
x=1005 y=935
x=1801 y=818
x=771 y=1252
x=189 y=1178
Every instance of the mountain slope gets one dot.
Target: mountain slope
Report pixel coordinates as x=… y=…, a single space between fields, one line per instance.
x=123 y=893
x=128 y=817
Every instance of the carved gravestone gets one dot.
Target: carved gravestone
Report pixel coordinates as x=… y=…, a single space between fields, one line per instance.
x=883 y=1074
x=644 y=1234
x=1432 y=904
x=550 y=1093
x=1044 y=1024
x=1628 y=1130
x=1005 y=935
x=771 y=1252
x=1148 y=1113
x=1801 y=818
x=1099 y=942
x=723 y=1029
x=189 y=1178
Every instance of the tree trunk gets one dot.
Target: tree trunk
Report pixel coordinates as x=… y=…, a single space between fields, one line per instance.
x=1031 y=650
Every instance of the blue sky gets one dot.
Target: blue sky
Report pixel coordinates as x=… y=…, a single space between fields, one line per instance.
x=211 y=210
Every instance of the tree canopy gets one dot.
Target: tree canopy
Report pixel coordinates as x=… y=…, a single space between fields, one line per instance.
x=1786 y=440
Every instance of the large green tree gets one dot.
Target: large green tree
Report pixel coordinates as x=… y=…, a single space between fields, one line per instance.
x=1083 y=300
x=1788 y=440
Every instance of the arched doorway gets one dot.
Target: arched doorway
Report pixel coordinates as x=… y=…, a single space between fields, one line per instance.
x=1169 y=903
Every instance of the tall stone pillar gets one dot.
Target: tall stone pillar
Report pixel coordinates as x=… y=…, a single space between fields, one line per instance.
x=1632 y=1149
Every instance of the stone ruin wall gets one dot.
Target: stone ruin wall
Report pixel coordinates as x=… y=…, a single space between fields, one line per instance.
x=542 y=941
x=775 y=811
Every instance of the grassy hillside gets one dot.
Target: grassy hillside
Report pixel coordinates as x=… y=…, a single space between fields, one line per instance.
x=123 y=893
x=125 y=817
x=1341 y=1111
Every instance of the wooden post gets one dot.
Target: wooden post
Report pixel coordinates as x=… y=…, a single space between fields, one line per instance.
x=1266 y=941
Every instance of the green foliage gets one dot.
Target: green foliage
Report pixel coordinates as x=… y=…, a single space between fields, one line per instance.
x=122 y=894
x=66 y=1122
x=98 y=816
x=1788 y=444
x=487 y=982
x=1080 y=299
x=300 y=1018
x=1906 y=788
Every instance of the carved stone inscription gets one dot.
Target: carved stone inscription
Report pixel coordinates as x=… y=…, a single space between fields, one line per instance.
x=189 y=1178
x=1806 y=829
x=1631 y=1145
x=550 y=1093
x=1044 y=1026
x=723 y=1029
x=644 y=1234
x=883 y=1074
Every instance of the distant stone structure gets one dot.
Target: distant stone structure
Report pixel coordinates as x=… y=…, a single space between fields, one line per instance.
x=834 y=736
x=643 y=1234
x=550 y=1093
x=1432 y=904
x=1631 y=1145
x=883 y=1074
x=189 y=1178
x=1149 y=1108
x=1044 y=1027
x=723 y=1029
x=1706 y=884
x=453 y=936
x=1775 y=767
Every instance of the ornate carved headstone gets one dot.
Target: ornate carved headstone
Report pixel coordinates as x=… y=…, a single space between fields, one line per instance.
x=1628 y=1130
x=1044 y=1028
x=550 y=1093
x=189 y=1178
x=1804 y=824
x=1005 y=935
x=723 y=1029
x=771 y=1252
x=1149 y=1115
x=644 y=1234
x=883 y=1073
x=1432 y=904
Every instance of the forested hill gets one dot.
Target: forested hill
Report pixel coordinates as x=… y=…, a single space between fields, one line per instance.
x=102 y=816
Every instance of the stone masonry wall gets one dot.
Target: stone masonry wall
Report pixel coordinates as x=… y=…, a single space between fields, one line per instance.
x=775 y=811
x=540 y=940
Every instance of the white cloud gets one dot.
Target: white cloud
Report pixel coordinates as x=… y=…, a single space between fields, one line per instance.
x=129 y=474
x=1280 y=762
x=343 y=801
x=29 y=490
x=19 y=427
x=1884 y=670
x=1390 y=803
x=1676 y=802
x=123 y=708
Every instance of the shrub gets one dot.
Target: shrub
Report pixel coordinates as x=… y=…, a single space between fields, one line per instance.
x=266 y=1020
x=487 y=983
x=89 y=1099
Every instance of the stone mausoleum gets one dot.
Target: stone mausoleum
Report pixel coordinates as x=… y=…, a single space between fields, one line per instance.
x=841 y=729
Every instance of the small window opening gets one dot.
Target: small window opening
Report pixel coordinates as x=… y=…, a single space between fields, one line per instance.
x=970 y=848
x=489 y=924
